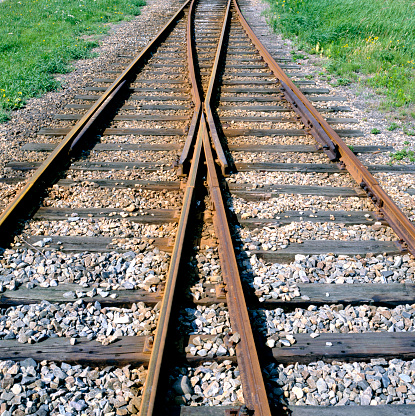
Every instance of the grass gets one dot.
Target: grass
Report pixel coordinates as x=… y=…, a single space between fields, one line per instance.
x=367 y=41
x=393 y=126
x=296 y=56
x=39 y=38
x=403 y=154
x=409 y=130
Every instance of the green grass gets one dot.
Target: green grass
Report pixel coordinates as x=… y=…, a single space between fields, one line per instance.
x=296 y=56
x=393 y=126
x=368 y=41
x=409 y=130
x=403 y=154
x=343 y=81
x=38 y=38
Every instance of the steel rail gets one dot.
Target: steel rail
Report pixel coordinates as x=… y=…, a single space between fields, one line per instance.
x=148 y=398
x=209 y=95
x=398 y=221
x=253 y=385
x=184 y=158
x=150 y=388
x=61 y=154
x=191 y=59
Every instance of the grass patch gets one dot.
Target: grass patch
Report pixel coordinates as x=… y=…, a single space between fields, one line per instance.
x=297 y=56
x=38 y=38
x=393 y=126
x=343 y=81
x=409 y=130
x=371 y=41
x=4 y=116
x=403 y=154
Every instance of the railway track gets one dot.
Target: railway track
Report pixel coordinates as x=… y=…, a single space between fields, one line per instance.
x=158 y=227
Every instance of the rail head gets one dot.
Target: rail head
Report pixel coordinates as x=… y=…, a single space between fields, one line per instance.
x=220 y=153
x=149 y=394
x=184 y=162
x=250 y=370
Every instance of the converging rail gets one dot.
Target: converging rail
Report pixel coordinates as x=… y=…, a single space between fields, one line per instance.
x=206 y=88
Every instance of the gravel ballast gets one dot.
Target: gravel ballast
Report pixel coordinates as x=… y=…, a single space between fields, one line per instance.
x=47 y=388
x=340 y=383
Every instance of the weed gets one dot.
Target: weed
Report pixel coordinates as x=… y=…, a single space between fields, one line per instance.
x=375 y=131
x=409 y=130
x=296 y=56
x=343 y=81
x=403 y=154
x=351 y=147
x=406 y=143
x=4 y=116
x=393 y=127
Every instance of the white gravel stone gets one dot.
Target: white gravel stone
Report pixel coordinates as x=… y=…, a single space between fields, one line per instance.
x=266 y=278
x=376 y=383
x=47 y=388
x=212 y=320
x=277 y=324
x=211 y=384
x=104 y=271
x=37 y=322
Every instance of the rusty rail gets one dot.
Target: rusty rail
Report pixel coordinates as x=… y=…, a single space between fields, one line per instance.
x=253 y=385
x=148 y=401
x=203 y=134
x=153 y=373
x=209 y=96
x=184 y=158
x=248 y=362
x=336 y=147
x=250 y=370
